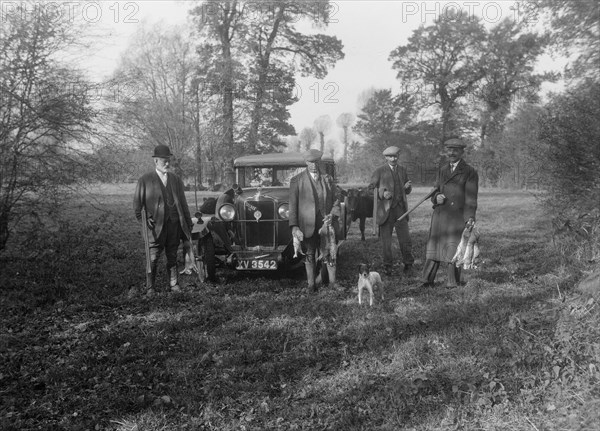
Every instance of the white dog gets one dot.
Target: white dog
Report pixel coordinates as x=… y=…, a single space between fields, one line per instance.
x=369 y=280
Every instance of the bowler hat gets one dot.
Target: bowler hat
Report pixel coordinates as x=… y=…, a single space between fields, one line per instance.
x=312 y=155
x=162 y=151
x=391 y=151
x=454 y=143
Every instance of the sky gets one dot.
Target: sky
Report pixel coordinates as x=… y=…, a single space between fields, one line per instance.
x=369 y=31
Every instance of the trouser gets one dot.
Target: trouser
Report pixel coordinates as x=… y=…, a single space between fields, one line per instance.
x=387 y=230
x=430 y=270
x=168 y=241
x=312 y=244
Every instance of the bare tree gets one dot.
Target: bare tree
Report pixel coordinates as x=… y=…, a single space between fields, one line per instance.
x=159 y=66
x=45 y=114
x=322 y=125
x=345 y=121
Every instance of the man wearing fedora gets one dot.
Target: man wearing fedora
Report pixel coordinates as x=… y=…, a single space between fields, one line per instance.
x=160 y=193
x=454 y=205
x=391 y=185
x=312 y=198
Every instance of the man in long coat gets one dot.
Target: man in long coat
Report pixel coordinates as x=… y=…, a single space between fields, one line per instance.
x=454 y=205
x=160 y=194
x=312 y=197
x=391 y=185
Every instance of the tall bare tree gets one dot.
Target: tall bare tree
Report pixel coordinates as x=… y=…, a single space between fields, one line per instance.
x=322 y=125
x=345 y=121
x=158 y=68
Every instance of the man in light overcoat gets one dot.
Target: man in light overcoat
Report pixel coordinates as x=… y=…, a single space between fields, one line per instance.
x=454 y=205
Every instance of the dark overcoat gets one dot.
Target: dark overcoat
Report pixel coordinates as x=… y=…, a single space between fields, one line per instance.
x=383 y=179
x=448 y=221
x=148 y=192
x=303 y=202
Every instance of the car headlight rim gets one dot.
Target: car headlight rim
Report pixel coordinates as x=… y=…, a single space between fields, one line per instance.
x=227 y=212
x=284 y=211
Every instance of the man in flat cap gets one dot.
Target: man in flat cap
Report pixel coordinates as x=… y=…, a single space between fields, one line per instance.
x=391 y=184
x=312 y=198
x=454 y=205
x=159 y=199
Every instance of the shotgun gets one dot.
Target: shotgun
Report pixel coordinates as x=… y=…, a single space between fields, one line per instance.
x=146 y=241
x=375 y=227
x=429 y=195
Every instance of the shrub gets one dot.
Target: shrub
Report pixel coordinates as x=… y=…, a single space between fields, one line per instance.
x=571 y=130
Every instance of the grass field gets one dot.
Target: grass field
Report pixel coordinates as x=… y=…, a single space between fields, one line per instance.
x=517 y=348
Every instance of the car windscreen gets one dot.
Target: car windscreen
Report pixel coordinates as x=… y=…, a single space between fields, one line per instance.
x=255 y=176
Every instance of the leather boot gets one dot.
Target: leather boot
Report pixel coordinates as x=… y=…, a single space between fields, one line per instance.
x=151 y=279
x=331 y=270
x=429 y=272
x=173 y=281
x=453 y=276
x=310 y=276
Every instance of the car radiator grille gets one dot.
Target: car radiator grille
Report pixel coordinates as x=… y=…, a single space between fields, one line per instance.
x=261 y=233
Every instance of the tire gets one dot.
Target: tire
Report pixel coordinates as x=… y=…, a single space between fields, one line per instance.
x=206 y=251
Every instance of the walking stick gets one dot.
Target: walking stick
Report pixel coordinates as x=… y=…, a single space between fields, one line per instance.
x=146 y=241
x=429 y=195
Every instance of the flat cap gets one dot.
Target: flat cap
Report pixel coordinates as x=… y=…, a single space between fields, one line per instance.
x=162 y=151
x=312 y=155
x=391 y=151
x=454 y=143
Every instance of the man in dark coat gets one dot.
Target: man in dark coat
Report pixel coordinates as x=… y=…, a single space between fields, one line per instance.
x=160 y=194
x=391 y=185
x=312 y=198
x=454 y=205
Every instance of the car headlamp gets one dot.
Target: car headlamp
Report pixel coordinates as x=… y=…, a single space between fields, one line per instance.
x=284 y=211
x=227 y=212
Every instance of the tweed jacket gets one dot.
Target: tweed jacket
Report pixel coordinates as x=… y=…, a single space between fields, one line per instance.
x=303 y=202
x=382 y=180
x=148 y=192
x=448 y=221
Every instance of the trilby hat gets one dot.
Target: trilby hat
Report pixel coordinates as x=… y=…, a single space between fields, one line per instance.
x=312 y=155
x=162 y=151
x=391 y=151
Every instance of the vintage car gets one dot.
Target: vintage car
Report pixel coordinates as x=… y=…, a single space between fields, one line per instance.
x=249 y=230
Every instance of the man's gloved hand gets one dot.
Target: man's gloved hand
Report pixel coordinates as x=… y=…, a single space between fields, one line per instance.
x=439 y=199
x=470 y=222
x=297 y=233
x=387 y=194
x=150 y=223
x=407 y=185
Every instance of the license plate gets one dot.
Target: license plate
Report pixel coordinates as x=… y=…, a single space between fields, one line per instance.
x=259 y=264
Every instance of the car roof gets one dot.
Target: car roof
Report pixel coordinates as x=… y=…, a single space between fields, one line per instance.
x=290 y=158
